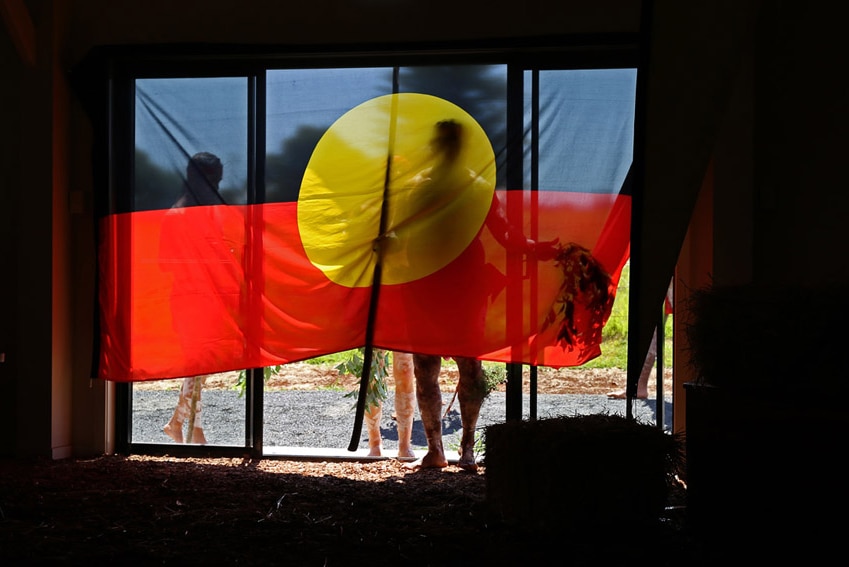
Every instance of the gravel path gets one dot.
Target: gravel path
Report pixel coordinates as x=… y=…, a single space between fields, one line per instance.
x=325 y=419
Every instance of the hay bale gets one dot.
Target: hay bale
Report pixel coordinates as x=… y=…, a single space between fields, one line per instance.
x=764 y=338
x=581 y=472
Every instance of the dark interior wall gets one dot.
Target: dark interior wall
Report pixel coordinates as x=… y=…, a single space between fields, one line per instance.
x=340 y=21
x=734 y=177
x=27 y=292
x=801 y=125
x=696 y=60
x=90 y=396
x=9 y=155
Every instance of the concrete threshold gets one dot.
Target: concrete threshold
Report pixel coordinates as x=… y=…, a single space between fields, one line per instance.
x=331 y=454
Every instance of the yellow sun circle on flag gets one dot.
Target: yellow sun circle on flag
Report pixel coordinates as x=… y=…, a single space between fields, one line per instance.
x=417 y=165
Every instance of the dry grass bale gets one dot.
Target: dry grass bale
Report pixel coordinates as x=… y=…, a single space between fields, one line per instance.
x=581 y=472
x=762 y=338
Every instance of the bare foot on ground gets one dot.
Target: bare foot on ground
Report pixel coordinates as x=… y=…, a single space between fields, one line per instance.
x=174 y=431
x=622 y=394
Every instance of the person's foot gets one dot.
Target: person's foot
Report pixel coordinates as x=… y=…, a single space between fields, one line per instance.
x=174 y=431
x=468 y=464
x=431 y=460
x=622 y=394
x=406 y=452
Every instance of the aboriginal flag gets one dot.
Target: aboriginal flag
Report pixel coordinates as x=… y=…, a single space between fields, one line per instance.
x=401 y=220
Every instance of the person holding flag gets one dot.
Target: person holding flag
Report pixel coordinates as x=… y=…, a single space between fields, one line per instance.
x=446 y=146
x=189 y=244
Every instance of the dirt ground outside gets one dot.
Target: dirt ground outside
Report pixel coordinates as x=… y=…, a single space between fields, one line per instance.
x=311 y=376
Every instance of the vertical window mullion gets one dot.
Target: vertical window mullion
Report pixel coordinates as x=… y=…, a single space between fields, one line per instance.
x=514 y=178
x=254 y=399
x=534 y=186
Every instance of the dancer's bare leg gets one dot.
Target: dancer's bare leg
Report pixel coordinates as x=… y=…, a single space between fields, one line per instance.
x=426 y=368
x=471 y=391
x=195 y=430
x=174 y=427
x=375 y=442
x=405 y=401
x=645 y=374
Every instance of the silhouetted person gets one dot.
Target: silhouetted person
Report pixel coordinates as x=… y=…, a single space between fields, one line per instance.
x=651 y=357
x=203 y=175
x=446 y=146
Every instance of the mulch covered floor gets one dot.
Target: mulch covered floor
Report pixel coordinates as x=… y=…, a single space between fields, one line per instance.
x=143 y=510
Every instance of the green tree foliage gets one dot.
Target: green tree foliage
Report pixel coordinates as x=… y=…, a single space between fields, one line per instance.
x=155 y=187
x=284 y=171
x=377 y=390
